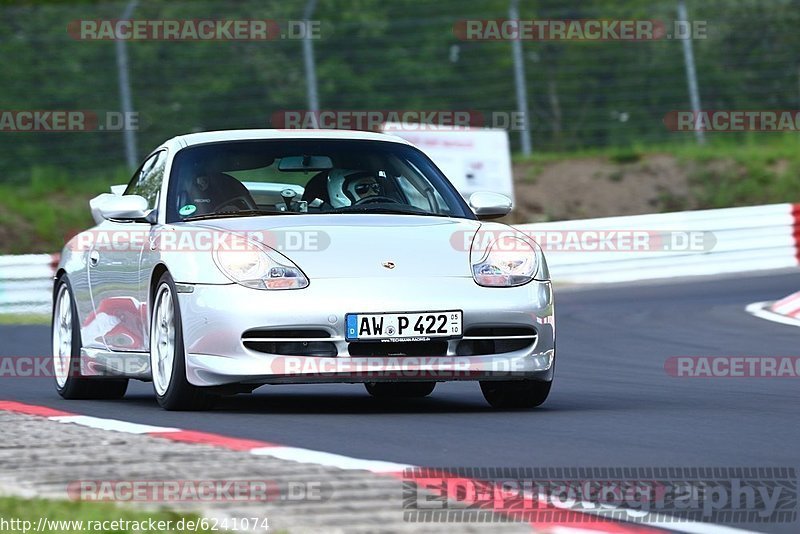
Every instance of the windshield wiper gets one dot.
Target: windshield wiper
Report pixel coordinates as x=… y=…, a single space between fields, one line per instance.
x=235 y=214
x=384 y=209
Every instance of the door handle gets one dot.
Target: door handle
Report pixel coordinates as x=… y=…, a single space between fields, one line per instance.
x=94 y=257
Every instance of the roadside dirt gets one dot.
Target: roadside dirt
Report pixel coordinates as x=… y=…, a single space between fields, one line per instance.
x=598 y=187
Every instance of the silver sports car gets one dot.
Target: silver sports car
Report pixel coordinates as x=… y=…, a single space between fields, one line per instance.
x=237 y=259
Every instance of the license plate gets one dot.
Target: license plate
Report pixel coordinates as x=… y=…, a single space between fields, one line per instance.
x=403 y=326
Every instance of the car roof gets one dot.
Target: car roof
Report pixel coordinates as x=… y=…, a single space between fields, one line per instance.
x=250 y=135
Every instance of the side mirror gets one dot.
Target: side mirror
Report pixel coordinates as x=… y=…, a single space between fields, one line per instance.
x=111 y=206
x=489 y=205
x=119 y=189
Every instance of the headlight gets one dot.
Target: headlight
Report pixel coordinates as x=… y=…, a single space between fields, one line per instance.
x=252 y=265
x=510 y=261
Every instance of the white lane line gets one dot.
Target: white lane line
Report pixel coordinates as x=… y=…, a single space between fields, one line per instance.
x=699 y=528
x=111 y=424
x=329 y=459
x=643 y=518
x=673 y=526
x=561 y=529
x=760 y=310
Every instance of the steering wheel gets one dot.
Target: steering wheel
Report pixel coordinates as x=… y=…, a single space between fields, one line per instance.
x=239 y=203
x=375 y=198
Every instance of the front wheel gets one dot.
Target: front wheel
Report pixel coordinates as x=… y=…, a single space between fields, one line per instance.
x=66 y=341
x=516 y=394
x=400 y=389
x=167 y=355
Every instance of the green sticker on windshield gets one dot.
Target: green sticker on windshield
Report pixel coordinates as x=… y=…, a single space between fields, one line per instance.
x=188 y=209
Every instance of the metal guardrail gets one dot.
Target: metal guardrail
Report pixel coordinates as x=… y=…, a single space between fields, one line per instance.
x=730 y=240
x=26 y=283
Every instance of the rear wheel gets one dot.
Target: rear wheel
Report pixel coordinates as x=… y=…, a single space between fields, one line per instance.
x=400 y=389
x=516 y=394
x=167 y=355
x=66 y=341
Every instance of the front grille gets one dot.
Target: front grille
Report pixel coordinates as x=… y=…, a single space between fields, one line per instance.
x=286 y=333
x=406 y=348
x=290 y=342
x=482 y=341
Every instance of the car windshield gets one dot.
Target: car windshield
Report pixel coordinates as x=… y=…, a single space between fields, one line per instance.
x=281 y=177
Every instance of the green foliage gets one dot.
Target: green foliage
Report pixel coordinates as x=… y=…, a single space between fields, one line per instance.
x=747 y=174
x=603 y=98
x=625 y=156
x=386 y=55
x=42 y=215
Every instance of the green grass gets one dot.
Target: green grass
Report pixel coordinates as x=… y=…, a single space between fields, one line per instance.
x=755 y=146
x=758 y=171
x=19 y=318
x=41 y=215
x=13 y=508
x=729 y=170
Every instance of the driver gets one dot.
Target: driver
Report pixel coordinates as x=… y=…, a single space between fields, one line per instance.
x=216 y=192
x=348 y=187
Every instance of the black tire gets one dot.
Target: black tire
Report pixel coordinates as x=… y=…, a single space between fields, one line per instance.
x=77 y=386
x=180 y=395
x=384 y=390
x=515 y=394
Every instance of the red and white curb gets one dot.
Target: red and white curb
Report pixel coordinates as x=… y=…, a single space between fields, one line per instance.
x=785 y=311
x=649 y=523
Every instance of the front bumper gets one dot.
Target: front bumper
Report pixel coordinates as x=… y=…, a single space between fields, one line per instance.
x=216 y=316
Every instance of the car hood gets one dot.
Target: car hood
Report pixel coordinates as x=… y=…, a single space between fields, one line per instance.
x=362 y=245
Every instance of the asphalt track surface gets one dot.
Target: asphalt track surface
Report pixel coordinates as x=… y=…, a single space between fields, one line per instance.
x=612 y=404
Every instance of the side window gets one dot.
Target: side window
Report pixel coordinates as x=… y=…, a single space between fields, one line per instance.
x=415 y=198
x=146 y=182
